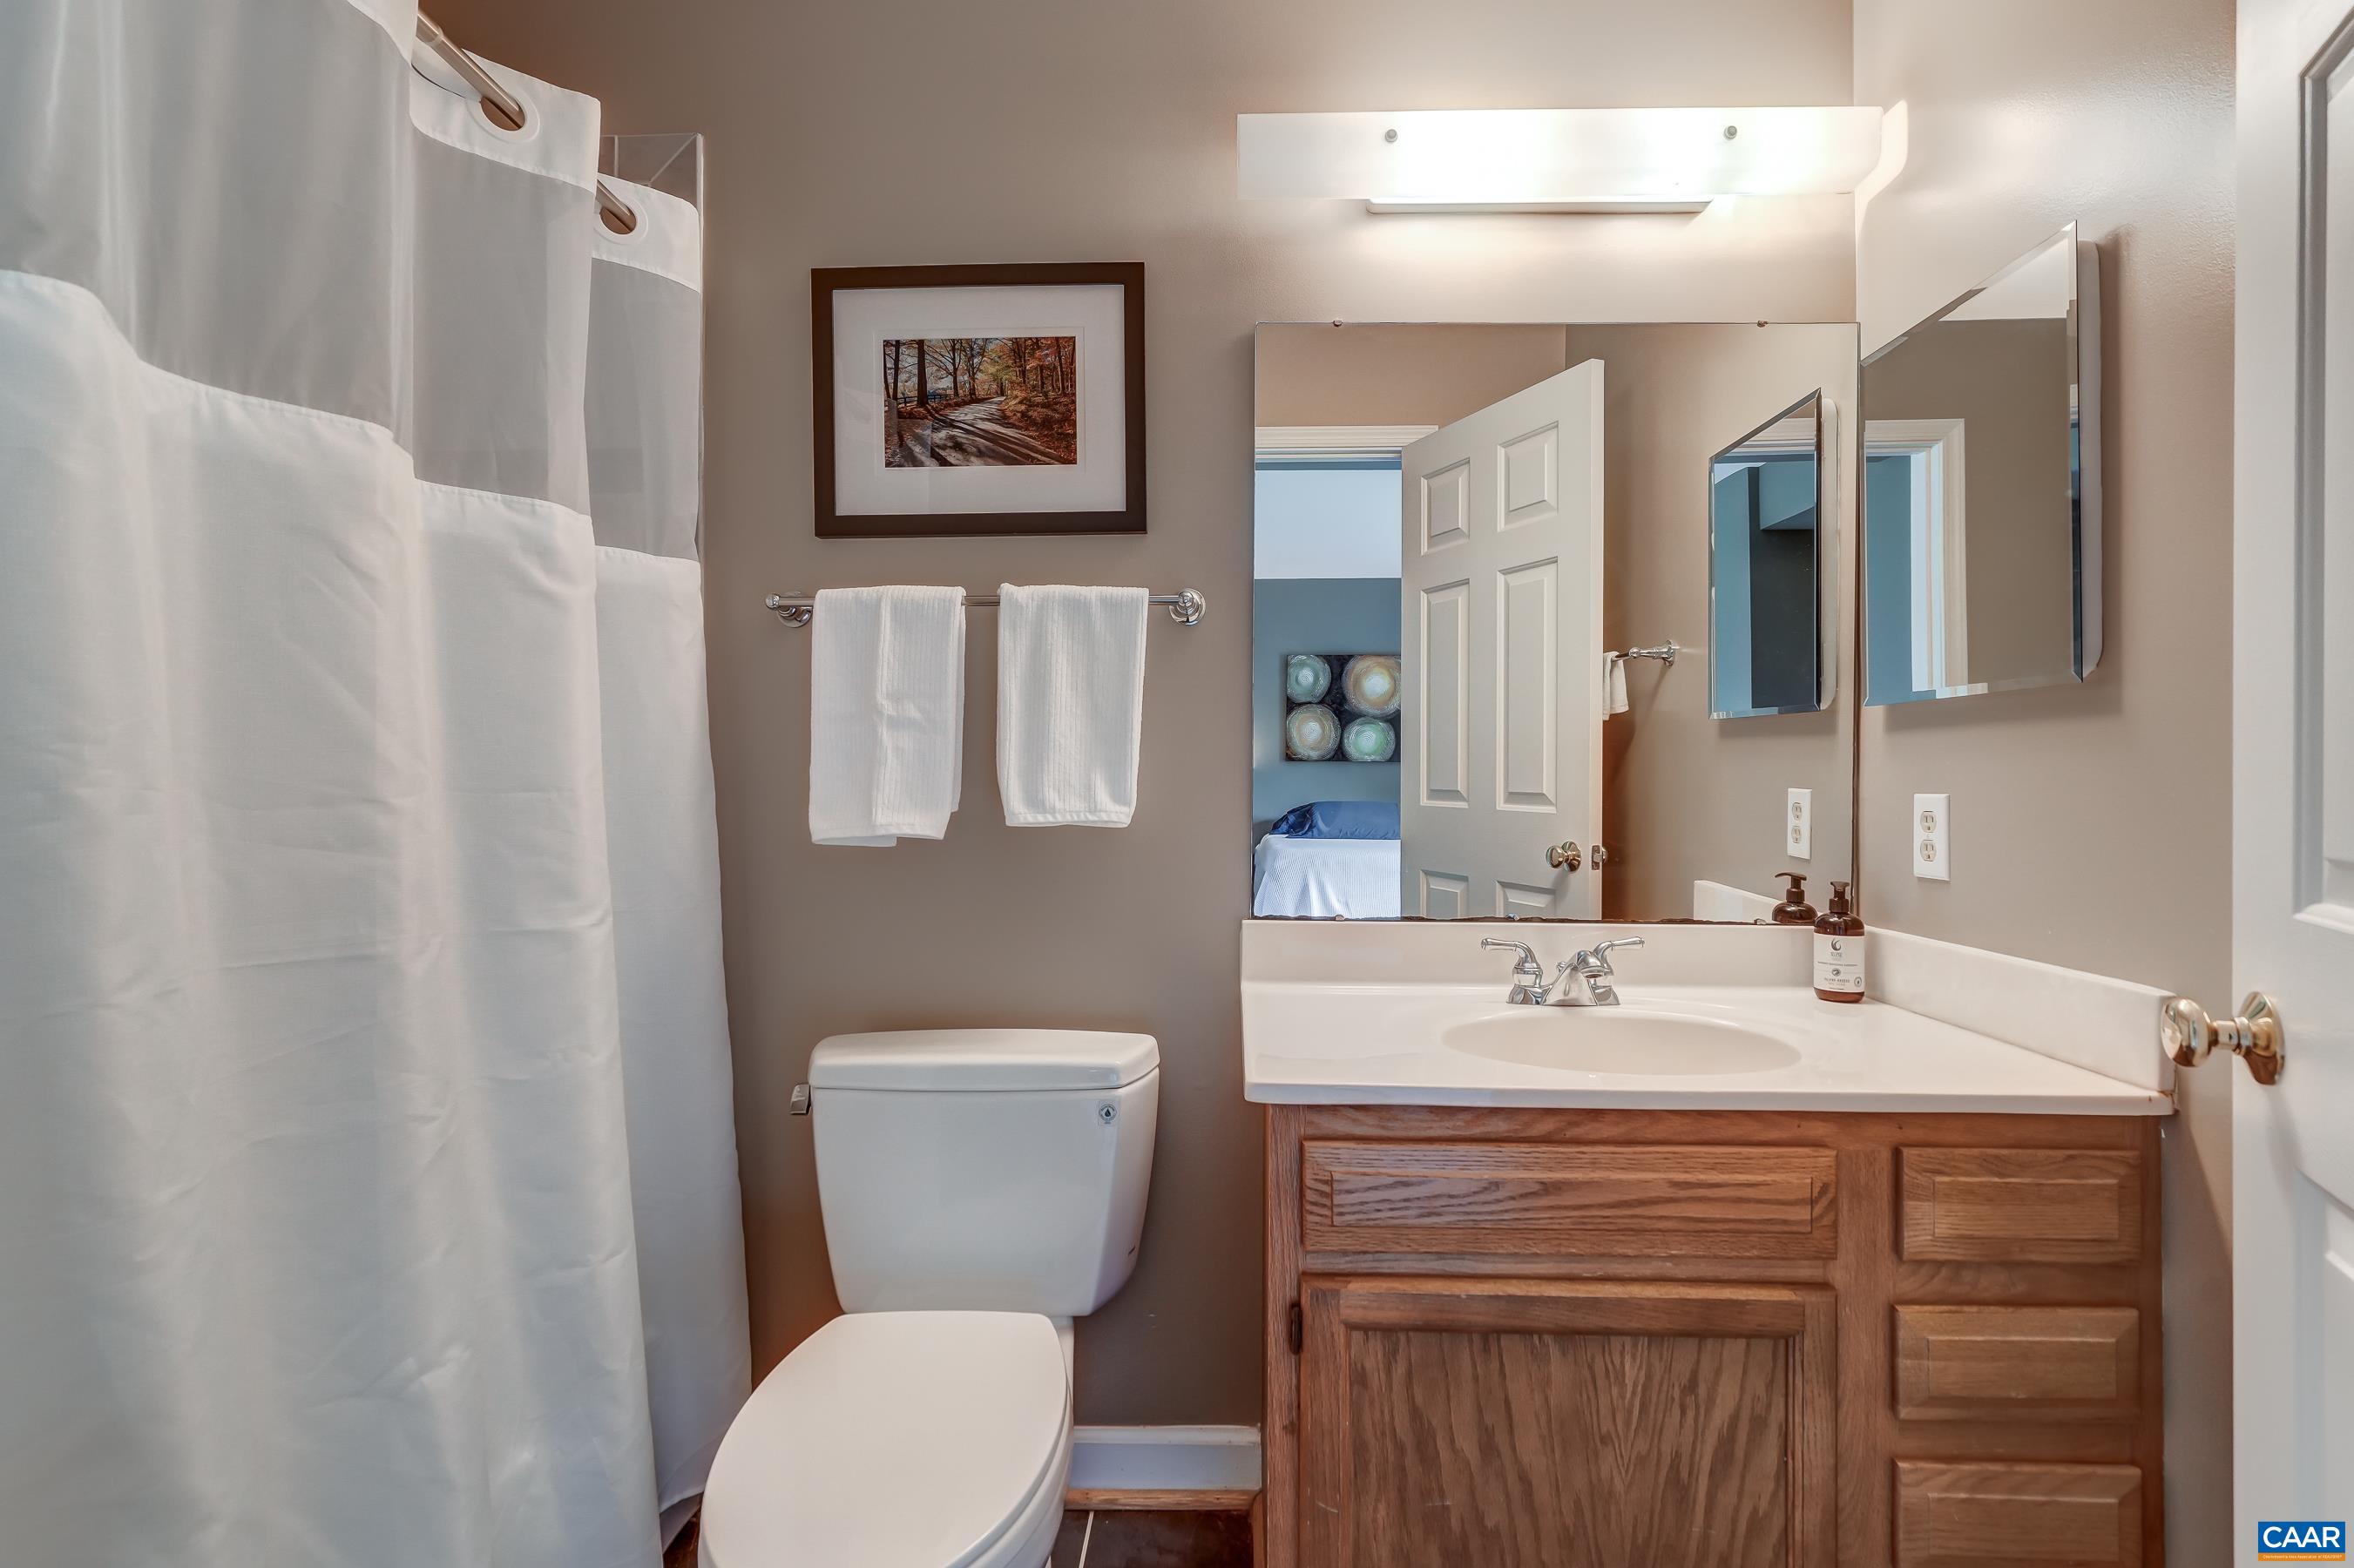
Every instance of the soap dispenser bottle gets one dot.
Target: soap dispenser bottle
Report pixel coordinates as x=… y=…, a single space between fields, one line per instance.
x=1793 y=909
x=1838 y=950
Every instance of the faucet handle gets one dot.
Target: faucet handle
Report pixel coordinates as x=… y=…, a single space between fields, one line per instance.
x=1528 y=975
x=1528 y=959
x=1596 y=959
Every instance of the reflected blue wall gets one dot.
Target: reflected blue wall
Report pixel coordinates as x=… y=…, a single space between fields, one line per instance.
x=1888 y=581
x=1313 y=615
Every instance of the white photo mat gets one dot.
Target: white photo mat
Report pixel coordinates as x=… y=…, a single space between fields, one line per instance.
x=865 y=319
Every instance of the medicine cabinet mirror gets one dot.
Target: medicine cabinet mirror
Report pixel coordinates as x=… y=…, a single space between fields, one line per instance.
x=1766 y=568
x=1982 y=491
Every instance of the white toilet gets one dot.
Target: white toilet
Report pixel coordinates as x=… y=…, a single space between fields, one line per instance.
x=982 y=1188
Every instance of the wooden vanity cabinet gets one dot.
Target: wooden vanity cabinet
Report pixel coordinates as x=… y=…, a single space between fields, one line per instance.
x=1612 y=1339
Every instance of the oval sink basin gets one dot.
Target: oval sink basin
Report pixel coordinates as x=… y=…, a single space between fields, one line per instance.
x=1637 y=1043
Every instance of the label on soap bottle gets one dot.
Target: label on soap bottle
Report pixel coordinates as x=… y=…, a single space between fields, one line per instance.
x=1839 y=963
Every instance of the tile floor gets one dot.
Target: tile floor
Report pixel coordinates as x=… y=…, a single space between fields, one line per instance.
x=1154 y=1540
x=1115 y=1541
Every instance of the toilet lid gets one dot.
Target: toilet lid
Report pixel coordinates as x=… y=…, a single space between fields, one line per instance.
x=891 y=1440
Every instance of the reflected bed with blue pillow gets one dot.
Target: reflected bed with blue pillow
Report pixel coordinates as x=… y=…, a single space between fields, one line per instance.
x=1329 y=858
x=1339 y=819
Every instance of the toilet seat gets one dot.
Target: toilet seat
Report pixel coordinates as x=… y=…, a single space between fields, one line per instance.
x=896 y=1440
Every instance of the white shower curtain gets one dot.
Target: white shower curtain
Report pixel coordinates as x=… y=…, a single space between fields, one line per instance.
x=367 y=1187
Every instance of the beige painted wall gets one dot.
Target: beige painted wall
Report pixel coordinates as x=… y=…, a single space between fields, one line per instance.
x=2080 y=835
x=1684 y=795
x=844 y=134
x=1373 y=373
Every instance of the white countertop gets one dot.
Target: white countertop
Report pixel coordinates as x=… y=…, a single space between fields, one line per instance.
x=1354 y=1042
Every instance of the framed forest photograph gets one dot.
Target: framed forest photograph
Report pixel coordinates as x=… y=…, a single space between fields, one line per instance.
x=973 y=400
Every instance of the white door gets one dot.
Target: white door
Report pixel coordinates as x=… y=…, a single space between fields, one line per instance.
x=1502 y=727
x=2293 y=770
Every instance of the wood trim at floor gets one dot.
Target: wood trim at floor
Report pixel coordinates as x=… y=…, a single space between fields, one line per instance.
x=1115 y=1500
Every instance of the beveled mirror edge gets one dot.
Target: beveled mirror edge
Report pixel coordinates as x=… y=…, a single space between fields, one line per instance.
x=2065 y=233
x=2084 y=334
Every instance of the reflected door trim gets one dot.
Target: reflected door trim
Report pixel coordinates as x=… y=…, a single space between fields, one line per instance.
x=1323 y=443
x=1940 y=558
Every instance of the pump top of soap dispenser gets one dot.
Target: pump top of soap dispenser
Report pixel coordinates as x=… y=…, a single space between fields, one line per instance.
x=1793 y=909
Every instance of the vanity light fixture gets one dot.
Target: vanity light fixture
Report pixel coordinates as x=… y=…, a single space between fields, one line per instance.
x=1555 y=160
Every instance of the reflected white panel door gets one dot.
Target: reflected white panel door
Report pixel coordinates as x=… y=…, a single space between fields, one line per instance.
x=1501 y=732
x=2293 y=771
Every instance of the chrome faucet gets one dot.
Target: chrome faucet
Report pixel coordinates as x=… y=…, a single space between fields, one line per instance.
x=1528 y=975
x=1586 y=978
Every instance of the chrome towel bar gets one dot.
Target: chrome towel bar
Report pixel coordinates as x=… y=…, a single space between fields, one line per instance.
x=1186 y=606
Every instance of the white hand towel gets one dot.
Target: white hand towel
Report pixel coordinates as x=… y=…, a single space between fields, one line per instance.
x=886 y=714
x=1614 y=684
x=1070 y=704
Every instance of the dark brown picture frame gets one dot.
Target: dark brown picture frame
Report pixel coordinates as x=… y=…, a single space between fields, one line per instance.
x=827 y=282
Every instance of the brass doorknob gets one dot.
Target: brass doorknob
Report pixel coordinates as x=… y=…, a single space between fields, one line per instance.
x=2255 y=1036
x=1563 y=856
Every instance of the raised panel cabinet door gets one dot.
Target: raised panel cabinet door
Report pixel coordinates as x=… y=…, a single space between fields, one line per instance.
x=1501 y=602
x=1565 y=1423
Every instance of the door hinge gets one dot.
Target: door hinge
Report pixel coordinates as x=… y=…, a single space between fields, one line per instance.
x=1298 y=1333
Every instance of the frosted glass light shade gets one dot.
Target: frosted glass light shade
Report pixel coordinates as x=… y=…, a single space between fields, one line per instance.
x=1555 y=159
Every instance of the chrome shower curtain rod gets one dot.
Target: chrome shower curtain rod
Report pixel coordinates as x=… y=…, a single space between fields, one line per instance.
x=617 y=212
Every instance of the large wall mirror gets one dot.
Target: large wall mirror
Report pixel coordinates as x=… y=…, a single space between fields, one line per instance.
x=1981 y=495
x=1546 y=618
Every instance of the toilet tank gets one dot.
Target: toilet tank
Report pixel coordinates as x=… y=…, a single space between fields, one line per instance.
x=999 y=1169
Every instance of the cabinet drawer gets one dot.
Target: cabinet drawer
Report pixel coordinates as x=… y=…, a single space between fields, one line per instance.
x=1586 y=1200
x=2022 y=1205
x=2036 y=1364
x=2018 y=1516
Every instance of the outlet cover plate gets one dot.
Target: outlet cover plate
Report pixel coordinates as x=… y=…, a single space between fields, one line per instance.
x=1933 y=848
x=1798 y=830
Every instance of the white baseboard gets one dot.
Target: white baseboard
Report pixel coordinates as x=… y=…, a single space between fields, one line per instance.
x=1218 y=1464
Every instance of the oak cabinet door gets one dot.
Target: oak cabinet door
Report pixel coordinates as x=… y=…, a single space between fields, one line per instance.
x=1565 y=1423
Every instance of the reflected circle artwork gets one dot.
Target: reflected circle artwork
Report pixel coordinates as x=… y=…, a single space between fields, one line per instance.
x=1311 y=733
x=1340 y=707
x=1368 y=740
x=1305 y=678
x=1371 y=683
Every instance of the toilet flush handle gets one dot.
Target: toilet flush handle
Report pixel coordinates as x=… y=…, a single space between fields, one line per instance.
x=801 y=1099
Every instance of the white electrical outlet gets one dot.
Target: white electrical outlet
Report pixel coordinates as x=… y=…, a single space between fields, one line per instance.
x=1933 y=847
x=1799 y=829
